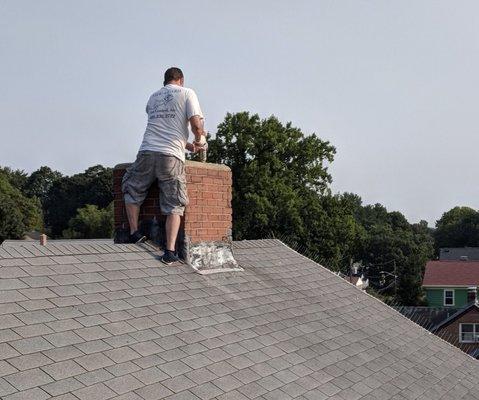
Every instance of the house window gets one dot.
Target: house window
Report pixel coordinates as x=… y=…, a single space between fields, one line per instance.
x=469 y=333
x=448 y=297
x=471 y=294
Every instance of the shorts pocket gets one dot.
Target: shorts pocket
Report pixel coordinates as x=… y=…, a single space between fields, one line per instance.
x=182 y=194
x=142 y=164
x=124 y=181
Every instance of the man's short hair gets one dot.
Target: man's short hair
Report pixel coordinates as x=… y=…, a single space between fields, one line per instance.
x=172 y=74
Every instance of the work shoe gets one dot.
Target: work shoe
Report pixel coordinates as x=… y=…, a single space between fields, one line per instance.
x=169 y=257
x=137 y=237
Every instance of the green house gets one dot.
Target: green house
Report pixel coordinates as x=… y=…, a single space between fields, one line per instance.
x=451 y=283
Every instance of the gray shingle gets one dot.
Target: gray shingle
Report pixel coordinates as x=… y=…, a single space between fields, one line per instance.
x=124 y=384
x=154 y=392
x=30 y=394
x=92 y=333
x=27 y=346
x=94 y=361
x=282 y=328
x=63 y=369
x=63 y=353
x=10 y=284
x=6 y=388
x=28 y=361
x=93 y=377
x=9 y=321
x=124 y=368
x=61 y=387
x=61 y=339
x=206 y=391
x=150 y=375
x=178 y=383
x=98 y=391
x=28 y=379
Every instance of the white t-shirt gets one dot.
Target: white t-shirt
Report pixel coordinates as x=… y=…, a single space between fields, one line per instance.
x=169 y=110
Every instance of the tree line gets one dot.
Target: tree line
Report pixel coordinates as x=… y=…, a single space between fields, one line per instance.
x=281 y=188
x=77 y=206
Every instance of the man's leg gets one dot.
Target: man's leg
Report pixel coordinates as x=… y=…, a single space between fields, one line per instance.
x=133 y=212
x=172 y=227
x=173 y=199
x=135 y=185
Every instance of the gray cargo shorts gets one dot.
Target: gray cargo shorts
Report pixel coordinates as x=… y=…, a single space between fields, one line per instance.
x=170 y=172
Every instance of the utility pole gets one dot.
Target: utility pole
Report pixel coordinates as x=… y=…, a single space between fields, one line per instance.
x=350 y=270
x=395 y=281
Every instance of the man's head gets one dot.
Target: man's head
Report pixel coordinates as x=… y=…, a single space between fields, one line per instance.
x=174 y=75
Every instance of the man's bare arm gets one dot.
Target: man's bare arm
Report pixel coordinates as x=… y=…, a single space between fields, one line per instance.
x=197 y=127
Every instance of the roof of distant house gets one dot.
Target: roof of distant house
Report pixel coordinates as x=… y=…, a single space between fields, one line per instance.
x=455 y=253
x=451 y=273
x=427 y=317
x=96 y=320
x=456 y=315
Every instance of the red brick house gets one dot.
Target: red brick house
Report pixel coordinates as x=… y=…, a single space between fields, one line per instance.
x=462 y=329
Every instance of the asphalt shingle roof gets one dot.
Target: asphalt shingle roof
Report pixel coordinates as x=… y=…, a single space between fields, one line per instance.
x=455 y=253
x=451 y=273
x=98 y=321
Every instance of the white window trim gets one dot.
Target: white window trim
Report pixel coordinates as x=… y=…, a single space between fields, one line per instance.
x=473 y=332
x=453 y=297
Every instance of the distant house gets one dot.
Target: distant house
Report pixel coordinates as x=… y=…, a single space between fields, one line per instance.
x=427 y=317
x=451 y=283
x=458 y=326
x=459 y=253
x=360 y=281
x=461 y=329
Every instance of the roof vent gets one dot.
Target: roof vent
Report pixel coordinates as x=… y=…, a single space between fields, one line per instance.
x=464 y=258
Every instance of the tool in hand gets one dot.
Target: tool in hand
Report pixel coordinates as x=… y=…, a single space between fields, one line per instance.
x=203 y=147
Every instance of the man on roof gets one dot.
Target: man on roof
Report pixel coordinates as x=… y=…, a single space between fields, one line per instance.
x=171 y=111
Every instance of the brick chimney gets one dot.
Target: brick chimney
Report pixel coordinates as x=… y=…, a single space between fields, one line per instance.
x=208 y=217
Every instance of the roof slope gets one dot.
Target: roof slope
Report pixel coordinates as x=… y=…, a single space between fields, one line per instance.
x=451 y=273
x=455 y=253
x=99 y=321
x=456 y=315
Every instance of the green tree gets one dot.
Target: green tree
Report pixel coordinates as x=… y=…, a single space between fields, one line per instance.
x=18 y=214
x=38 y=184
x=16 y=177
x=281 y=188
x=91 y=222
x=458 y=227
x=69 y=193
x=393 y=247
x=277 y=171
x=332 y=235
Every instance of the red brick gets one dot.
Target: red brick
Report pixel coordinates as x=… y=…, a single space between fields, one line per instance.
x=197 y=179
x=208 y=215
x=213 y=172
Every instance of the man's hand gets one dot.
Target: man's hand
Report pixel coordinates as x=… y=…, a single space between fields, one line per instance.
x=195 y=147
x=199 y=147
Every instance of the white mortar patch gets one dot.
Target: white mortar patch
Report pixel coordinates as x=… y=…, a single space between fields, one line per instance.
x=212 y=257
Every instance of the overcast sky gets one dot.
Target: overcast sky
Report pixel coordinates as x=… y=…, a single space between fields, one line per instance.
x=392 y=84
